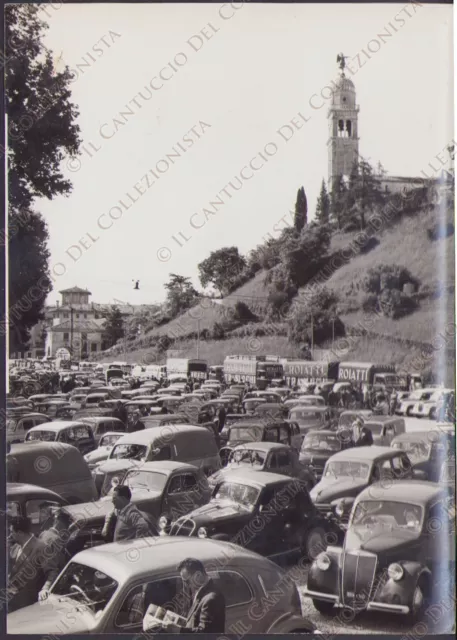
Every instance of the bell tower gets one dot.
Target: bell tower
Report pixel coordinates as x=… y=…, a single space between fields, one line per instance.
x=343 y=142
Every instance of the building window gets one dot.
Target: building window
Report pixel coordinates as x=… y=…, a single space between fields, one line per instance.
x=93 y=346
x=66 y=337
x=349 y=128
x=77 y=315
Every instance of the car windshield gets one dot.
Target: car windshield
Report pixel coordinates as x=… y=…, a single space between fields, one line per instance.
x=139 y=479
x=241 y=494
x=246 y=434
x=44 y=436
x=382 y=514
x=417 y=451
x=130 y=451
x=322 y=442
x=301 y=415
x=249 y=457
x=109 y=440
x=347 y=468
x=86 y=585
x=11 y=426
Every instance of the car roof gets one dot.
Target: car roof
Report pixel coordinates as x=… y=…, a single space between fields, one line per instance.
x=97 y=419
x=165 y=552
x=321 y=432
x=257 y=478
x=166 y=466
x=261 y=446
x=30 y=490
x=149 y=435
x=309 y=408
x=424 y=436
x=365 y=453
x=31 y=414
x=57 y=426
x=261 y=421
x=37 y=446
x=382 y=419
x=409 y=491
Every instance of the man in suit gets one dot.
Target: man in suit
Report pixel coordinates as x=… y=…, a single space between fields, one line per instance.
x=31 y=569
x=361 y=435
x=136 y=424
x=126 y=521
x=207 y=612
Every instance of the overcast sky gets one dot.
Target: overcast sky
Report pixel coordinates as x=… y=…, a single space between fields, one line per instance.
x=253 y=73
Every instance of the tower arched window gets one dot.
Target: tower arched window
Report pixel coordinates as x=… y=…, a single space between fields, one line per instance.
x=340 y=128
x=349 y=128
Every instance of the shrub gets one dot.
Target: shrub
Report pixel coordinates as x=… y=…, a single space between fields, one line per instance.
x=243 y=312
x=386 y=276
x=218 y=332
x=371 y=244
x=370 y=303
x=316 y=316
x=395 y=304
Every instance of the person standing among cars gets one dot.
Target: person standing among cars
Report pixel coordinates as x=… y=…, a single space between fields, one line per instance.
x=126 y=521
x=30 y=569
x=207 y=612
x=361 y=435
x=121 y=413
x=136 y=424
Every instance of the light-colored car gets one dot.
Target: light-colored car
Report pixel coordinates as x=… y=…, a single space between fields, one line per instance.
x=145 y=571
x=406 y=405
x=18 y=425
x=429 y=408
x=103 y=450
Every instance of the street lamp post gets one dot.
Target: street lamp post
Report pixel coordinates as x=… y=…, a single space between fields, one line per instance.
x=198 y=338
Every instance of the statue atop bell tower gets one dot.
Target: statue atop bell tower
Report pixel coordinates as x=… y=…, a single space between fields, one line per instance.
x=343 y=142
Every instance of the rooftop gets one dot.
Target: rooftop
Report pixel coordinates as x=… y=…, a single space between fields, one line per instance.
x=75 y=290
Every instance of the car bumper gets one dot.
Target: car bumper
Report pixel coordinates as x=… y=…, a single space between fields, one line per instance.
x=371 y=606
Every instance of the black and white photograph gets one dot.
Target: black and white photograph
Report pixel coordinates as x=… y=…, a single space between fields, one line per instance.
x=229 y=319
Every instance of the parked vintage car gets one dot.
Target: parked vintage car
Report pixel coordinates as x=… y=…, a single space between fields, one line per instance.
x=259 y=430
x=347 y=418
x=96 y=399
x=53 y=465
x=349 y=472
x=311 y=417
x=250 y=404
x=272 y=410
x=32 y=502
x=246 y=580
x=385 y=428
x=268 y=513
x=430 y=451
x=105 y=444
x=162 y=489
x=429 y=408
x=265 y=456
x=318 y=446
x=51 y=408
x=18 y=425
x=406 y=405
x=77 y=434
x=103 y=424
x=392 y=557
x=178 y=442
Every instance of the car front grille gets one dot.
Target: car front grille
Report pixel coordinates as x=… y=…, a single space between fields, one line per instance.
x=357 y=577
x=183 y=527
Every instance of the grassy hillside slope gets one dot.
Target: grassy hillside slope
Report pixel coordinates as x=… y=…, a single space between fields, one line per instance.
x=400 y=341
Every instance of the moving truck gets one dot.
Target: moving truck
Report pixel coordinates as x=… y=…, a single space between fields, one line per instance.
x=368 y=373
x=254 y=369
x=309 y=370
x=197 y=369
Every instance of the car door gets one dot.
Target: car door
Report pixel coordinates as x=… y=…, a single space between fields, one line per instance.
x=84 y=438
x=239 y=597
x=39 y=513
x=180 y=495
x=280 y=462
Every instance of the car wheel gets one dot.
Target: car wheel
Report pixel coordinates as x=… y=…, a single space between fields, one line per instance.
x=419 y=600
x=315 y=543
x=432 y=414
x=409 y=411
x=326 y=608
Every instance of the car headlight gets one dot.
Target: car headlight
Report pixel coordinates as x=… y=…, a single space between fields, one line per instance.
x=202 y=532
x=395 y=572
x=339 y=510
x=323 y=562
x=163 y=522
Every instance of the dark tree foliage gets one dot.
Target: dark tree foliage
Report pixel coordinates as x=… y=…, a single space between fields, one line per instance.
x=181 y=295
x=323 y=205
x=41 y=130
x=29 y=281
x=114 y=326
x=338 y=201
x=301 y=210
x=221 y=268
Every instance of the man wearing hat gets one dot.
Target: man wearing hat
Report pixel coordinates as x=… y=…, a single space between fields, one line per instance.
x=361 y=435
